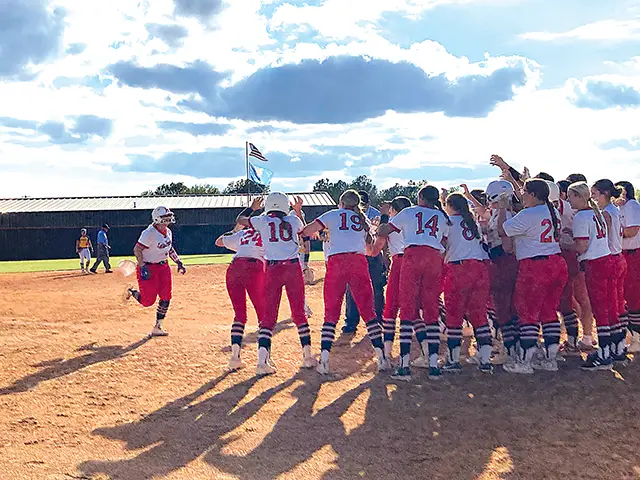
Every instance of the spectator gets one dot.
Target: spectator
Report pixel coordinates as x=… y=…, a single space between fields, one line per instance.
x=103 y=250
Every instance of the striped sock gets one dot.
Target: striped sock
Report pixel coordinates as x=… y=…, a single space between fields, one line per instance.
x=264 y=338
x=528 y=338
x=442 y=310
x=328 y=336
x=433 y=338
x=374 y=331
x=483 y=335
x=161 y=312
x=420 y=329
x=406 y=334
x=571 y=326
x=551 y=334
x=604 y=341
x=454 y=340
x=237 y=332
x=389 y=329
x=304 y=332
x=492 y=321
x=634 y=322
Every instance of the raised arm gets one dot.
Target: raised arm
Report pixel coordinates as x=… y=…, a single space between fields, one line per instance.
x=311 y=229
x=243 y=218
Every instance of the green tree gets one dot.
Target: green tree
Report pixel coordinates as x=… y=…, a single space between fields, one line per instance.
x=240 y=186
x=410 y=190
x=179 y=188
x=334 y=189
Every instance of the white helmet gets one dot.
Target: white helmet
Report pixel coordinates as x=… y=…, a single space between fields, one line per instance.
x=83 y=231
x=162 y=216
x=497 y=189
x=554 y=191
x=276 y=202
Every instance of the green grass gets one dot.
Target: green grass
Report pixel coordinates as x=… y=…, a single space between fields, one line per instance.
x=73 y=263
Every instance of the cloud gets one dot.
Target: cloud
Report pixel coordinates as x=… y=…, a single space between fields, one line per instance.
x=604 y=30
x=194 y=77
x=203 y=10
x=75 y=49
x=17 y=123
x=601 y=94
x=351 y=89
x=84 y=127
x=30 y=34
x=87 y=125
x=631 y=145
x=267 y=129
x=94 y=82
x=196 y=129
x=172 y=35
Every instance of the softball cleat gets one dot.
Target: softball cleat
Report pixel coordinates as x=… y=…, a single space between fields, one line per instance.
x=265 y=369
x=451 y=367
x=435 y=373
x=518 y=367
x=309 y=362
x=235 y=364
x=384 y=365
x=402 y=373
x=323 y=368
x=158 y=332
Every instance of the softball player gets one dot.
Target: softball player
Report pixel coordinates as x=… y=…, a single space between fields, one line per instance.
x=602 y=192
x=279 y=230
x=630 y=216
x=594 y=255
x=466 y=285
x=542 y=274
x=245 y=276
x=84 y=249
x=423 y=227
x=347 y=265
x=395 y=242
x=154 y=248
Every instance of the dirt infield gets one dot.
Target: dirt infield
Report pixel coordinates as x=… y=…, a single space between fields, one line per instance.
x=84 y=395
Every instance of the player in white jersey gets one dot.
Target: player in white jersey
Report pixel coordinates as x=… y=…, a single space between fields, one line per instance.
x=349 y=229
x=466 y=284
x=423 y=227
x=603 y=192
x=280 y=232
x=630 y=217
x=542 y=274
x=592 y=245
x=154 y=248
x=395 y=242
x=245 y=276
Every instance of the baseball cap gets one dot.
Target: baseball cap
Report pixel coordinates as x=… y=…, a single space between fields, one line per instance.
x=105 y=226
x=364 y=196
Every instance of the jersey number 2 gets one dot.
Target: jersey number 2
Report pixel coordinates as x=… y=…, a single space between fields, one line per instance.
x=251 y=237
x=545 y=236
x=431 y=225
x=284 y=231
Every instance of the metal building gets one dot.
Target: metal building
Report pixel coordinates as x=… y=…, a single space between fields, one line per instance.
x=47 y=228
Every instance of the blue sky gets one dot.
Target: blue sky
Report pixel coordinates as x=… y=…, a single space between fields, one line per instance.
x=117 y=97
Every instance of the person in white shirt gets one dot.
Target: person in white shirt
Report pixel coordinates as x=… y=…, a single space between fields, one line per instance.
x=603 y=192
x=395 y=241
x=245 y=276
x=349 y=230
x=594 y=255
x=630 y=216
x=423 y=227
x=542 y=274
x=153 y=250
x=280 y=232
x=466 y=284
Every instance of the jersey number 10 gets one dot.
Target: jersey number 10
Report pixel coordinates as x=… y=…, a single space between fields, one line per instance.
x=283 y=230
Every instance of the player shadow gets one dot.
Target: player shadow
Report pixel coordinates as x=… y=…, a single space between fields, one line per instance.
x=68 y=276
x=252 y=337
x=56 y=368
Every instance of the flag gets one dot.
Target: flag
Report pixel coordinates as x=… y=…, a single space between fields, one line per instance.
x=260 y=175
x=255 y=153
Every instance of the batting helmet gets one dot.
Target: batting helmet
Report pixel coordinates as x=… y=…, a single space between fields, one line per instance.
x=497 y=189
x=276 y=202
x=554 y=191
x=162 y=216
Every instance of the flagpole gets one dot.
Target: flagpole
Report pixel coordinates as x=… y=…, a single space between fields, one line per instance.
x=246 y=157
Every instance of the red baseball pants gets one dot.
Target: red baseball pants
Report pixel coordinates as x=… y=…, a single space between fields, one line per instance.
x=573 y=270
x=503 y=273
x=392 y=300
x=288 y=275
x=466 y=291
x=599 y=277
x=619 y=266
x=246 y=276
x=159 y=284
x=348 y=269
x=420 y=284
x=632 y=281
x=539 y=288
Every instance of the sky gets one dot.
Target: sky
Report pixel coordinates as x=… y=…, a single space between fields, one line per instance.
x=117 y=97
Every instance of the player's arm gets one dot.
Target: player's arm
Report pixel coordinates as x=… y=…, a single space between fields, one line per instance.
x=137 y=251
x=607 y=220
x=630 y=232
x=312 y=228
x=243 y=218
x=173 y=255
x=78 y=246
x=507 y=241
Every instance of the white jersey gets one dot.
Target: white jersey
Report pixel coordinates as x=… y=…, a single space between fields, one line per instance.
x=493 y=235
x=395 y=241
x=246 y=243
x=586 y=226
x=532 y=231
x=157 y=246
x=630 y=216
x=346 y=229
x=462 y=243
x=615 y=234
x=421 y=226
x=566 y=219
x=280 y=240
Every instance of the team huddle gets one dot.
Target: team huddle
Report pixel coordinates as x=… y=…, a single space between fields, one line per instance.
x=511 y=261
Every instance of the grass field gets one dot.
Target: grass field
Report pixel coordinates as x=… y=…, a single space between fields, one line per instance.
x=72 y=263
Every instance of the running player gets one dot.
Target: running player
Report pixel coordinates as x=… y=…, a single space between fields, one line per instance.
x=466 y=285
x=245 y=276
x=603 y=191
x=423 y=227
x=349 y=229
x=630 y=216
x=590 y=237
x=154 y=248
x=542 y=274
x=279 y=230
x=84 y=249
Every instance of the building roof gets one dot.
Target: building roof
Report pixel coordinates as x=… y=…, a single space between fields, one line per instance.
x=84 y=204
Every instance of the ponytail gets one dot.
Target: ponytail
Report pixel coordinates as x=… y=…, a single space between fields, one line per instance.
x=438 y=205
x=582 y=190
x=598 y=215
x=554 y=220
x=363 y=218
x=460 y=205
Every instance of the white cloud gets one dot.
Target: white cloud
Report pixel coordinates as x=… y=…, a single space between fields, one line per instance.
x=604 y=30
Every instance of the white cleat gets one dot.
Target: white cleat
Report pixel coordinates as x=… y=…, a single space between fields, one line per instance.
x=158 y=332
x=265 y=369
x=384 y=365
x=323 y=368
x=309 y=362
x=235 y=364
x=518 y=367
x=420 y=362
